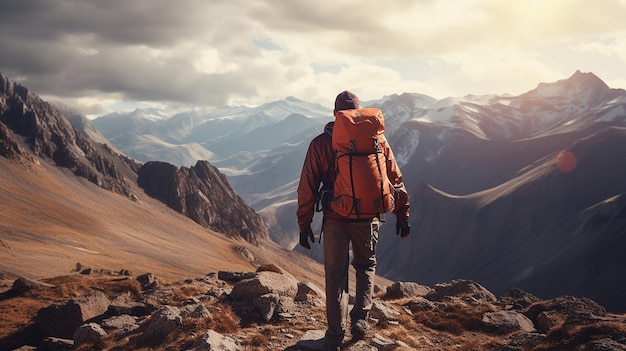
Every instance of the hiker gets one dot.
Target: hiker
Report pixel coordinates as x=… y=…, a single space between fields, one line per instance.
x=339 y=231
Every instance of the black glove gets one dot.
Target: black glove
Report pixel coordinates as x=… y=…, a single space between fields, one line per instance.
x=403 y=228
x=304 y=238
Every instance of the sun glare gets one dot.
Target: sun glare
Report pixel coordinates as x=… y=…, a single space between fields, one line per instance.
x=566 y=161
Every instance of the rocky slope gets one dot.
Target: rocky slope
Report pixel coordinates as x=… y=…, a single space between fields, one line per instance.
x=33 y=131
x=492 y=202
x=32 y=128
x=203 y=194
x=269 y=309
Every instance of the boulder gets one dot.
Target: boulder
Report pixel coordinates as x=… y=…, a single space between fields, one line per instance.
x=508 y=320
x=214 y=341
x=420 y=304
x=195 y=311
x=518 y=299
x=361 y=346
x=265 y=283
x=62 y=319
x=400 y=290
x=123 y=323
x=90 y=333
x=382 y=344
x=382 y=312
x=234 y=277
x=461 y=290
x=56 y=344
x=164 y=322
x=312 y=340
x=148 y=281
x=124 y=304
x=22 y=285
x=267 y=305
x=308 y=289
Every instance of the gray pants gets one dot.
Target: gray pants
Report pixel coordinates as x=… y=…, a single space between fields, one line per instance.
x=337 y=239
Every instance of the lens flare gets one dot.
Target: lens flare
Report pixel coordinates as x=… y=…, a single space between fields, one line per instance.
x=566 y=161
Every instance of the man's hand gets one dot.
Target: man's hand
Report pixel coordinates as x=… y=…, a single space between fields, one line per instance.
x=403 y=228
x=304 y=238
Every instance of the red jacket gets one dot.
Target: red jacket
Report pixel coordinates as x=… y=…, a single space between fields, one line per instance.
x=318 y=173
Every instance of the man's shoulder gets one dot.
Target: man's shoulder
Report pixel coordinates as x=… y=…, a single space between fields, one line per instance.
x=322 y=138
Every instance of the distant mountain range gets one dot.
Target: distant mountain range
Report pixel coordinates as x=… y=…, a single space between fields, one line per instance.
x=489 y=201
x=68 y=196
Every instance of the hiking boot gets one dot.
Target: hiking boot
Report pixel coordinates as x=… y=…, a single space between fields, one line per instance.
x=360 y=330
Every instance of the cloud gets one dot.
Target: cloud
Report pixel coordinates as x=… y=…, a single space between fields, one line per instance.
x=199 y=52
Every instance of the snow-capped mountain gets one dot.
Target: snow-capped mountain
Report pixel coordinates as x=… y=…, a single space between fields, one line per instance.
x=485 y=192
x=216 y=130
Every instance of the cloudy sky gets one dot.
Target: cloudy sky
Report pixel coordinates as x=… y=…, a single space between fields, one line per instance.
x=103 y=55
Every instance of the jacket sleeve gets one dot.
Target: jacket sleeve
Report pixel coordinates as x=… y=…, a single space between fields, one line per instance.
x=308 y=187
x=402 y=206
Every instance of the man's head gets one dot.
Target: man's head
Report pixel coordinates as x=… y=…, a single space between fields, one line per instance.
x=347 y=101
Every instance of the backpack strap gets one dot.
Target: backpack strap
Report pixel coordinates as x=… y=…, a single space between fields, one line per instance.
x=379 y=150
x=356 y=204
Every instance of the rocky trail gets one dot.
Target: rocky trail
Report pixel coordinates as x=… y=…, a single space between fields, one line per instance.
x=96 y=309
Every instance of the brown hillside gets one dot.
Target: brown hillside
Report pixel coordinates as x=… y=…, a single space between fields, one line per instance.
x=52 y=220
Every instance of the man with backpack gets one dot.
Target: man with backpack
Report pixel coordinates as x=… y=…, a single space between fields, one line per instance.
x=351 y=173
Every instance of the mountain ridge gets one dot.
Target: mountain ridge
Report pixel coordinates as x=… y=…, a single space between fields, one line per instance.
x=67 y=198
x=456 y=152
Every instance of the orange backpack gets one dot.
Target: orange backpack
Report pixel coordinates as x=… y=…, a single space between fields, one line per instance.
x=362 y=188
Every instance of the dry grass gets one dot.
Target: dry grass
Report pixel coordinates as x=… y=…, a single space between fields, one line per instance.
x=569 y=336
x=457 y=318
x=51 y=220
x=458 y=326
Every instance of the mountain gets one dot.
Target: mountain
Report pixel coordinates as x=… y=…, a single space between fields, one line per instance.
x=486 y=192
x=488 y=196
x=66 y=198
x=491 y=198
x=213 y=134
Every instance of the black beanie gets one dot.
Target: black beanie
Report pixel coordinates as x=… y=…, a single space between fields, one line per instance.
x=347 y=101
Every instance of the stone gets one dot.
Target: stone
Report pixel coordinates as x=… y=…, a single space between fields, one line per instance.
x=306 y=289
x=91 y=333
x=382 y=344
x=265 y=283
x=399 y=290
x=382 y=312
x=462 y=290
x=234 y=277
x=22 y=285
x=148 y=281
x=56 y=344
x=518 y=299
x=123 y=323
x=267 y=304
x=361 y=346
x=164 y=322
x=313 y=340
x=420 y=304
x=213 y=341
x=547 y=320
x=509 y=320
x=62 y=319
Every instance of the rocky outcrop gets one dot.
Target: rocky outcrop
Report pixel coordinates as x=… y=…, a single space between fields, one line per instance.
x=32 y=131
x=203 y=194
x=31 y=128
x=62 y=319
x=258 y=310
